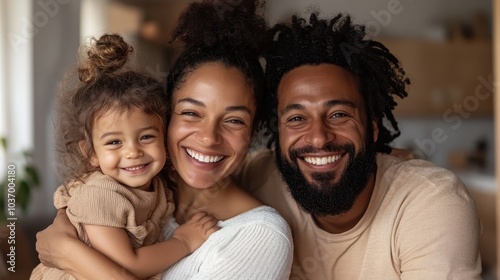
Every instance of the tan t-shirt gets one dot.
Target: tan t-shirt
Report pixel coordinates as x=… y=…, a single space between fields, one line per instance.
x=103 y=201
x=421 y=223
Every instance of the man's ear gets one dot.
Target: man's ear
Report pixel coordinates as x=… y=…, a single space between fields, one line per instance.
x=375 y=130
x=93 y=159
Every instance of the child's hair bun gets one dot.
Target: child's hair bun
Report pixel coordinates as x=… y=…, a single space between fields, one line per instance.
x=234 y=24
x=106 y=55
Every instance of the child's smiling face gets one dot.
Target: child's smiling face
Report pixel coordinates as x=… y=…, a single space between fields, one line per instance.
x=129 y=146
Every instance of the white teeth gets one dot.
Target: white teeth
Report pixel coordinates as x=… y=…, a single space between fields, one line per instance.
x=322 y=160
x=134 y=168
x=203 y=158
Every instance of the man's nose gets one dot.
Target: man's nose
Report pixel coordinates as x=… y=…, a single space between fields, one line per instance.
x=319 y=135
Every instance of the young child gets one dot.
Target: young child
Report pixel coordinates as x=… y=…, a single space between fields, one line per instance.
x=111 y=133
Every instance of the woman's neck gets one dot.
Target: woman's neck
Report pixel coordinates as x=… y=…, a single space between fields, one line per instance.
x=192 y=200
x=223 y=200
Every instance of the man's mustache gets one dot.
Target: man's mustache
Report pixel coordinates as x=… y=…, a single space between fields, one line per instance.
x=329 y=148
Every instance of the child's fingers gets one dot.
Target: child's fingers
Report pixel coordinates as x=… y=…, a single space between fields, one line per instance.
x=212 y=230
x=198 y=216
x=204 y=220
x=209 y=222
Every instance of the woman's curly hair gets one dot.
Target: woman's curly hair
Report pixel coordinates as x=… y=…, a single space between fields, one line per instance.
x=340 y=42
x=227 y=32
x=104 y=83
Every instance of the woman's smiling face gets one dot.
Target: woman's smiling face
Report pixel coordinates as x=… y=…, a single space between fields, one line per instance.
x=211 y=124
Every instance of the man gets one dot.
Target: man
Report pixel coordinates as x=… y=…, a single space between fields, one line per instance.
x=355 y=211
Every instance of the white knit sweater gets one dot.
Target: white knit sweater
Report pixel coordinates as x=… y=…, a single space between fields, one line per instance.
x=256 y=244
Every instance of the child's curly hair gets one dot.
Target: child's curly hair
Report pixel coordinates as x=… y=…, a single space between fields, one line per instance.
x=104 y=84
x=340 y=42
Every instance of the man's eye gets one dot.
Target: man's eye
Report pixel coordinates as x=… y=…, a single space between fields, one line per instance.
x=235 y=121
x=295 y=119
x=339 y=115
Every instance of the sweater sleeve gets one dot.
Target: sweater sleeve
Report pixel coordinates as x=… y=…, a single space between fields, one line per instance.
x=256 y=251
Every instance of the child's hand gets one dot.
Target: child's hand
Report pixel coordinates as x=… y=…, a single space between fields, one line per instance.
x=196 y=230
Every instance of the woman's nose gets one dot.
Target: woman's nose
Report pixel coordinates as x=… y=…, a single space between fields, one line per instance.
x=209 y=134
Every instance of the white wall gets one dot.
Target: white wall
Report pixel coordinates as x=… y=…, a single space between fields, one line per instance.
x=55 y=46
x=16 y=83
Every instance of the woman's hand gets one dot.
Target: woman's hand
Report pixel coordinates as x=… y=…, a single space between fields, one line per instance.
x=50 y=242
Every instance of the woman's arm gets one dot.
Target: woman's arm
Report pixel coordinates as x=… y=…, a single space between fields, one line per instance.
x=58 y=246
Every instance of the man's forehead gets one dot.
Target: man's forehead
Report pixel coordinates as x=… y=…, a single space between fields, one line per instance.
x=318 y=77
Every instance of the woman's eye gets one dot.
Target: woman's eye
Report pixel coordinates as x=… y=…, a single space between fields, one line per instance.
x=189 y=113
x=113 y=142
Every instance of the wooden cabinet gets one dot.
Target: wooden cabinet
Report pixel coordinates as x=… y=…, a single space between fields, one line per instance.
x=448 y=79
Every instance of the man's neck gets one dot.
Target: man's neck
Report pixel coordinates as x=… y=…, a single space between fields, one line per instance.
x=346 y=221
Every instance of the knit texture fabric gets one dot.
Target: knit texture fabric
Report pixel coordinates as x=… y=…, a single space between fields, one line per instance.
x=255 y=245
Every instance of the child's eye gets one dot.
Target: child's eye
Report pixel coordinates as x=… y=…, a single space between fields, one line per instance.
x=146 y=137
x=113 y=142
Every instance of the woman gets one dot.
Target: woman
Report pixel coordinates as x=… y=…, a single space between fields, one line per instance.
x=215 y=92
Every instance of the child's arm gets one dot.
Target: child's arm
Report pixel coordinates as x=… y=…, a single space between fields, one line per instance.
x=150 y=260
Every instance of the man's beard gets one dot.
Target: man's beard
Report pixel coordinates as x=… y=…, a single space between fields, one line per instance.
x=323 y=197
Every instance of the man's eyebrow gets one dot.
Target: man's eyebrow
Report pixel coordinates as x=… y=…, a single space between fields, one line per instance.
x=343 y=102
x=329 y=103
x=291 y=107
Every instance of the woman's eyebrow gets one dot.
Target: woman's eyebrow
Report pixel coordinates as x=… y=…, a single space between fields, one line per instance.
x=191 y=101
x=239 y=108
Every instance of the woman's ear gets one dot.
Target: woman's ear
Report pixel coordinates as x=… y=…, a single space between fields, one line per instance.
x=93 y=158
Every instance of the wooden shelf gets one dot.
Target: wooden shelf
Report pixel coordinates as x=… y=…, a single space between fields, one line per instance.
x=448 y=79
